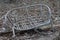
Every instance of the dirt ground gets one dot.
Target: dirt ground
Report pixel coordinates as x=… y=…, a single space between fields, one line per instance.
x=31 y=34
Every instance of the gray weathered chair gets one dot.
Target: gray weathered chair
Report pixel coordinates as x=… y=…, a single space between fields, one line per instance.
x=28 y=17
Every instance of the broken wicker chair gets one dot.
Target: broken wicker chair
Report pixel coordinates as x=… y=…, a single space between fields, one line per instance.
x=28 y=17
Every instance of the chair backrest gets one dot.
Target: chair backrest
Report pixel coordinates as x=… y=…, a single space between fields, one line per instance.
x=28 y=17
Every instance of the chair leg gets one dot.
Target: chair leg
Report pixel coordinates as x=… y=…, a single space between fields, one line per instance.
x=37 y=31
x=13 y=30
x=52 y=28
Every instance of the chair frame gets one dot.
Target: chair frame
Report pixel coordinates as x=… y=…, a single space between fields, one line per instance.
x=13 y=28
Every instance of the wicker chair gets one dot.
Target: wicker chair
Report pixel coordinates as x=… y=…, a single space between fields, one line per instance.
x=28 y=17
